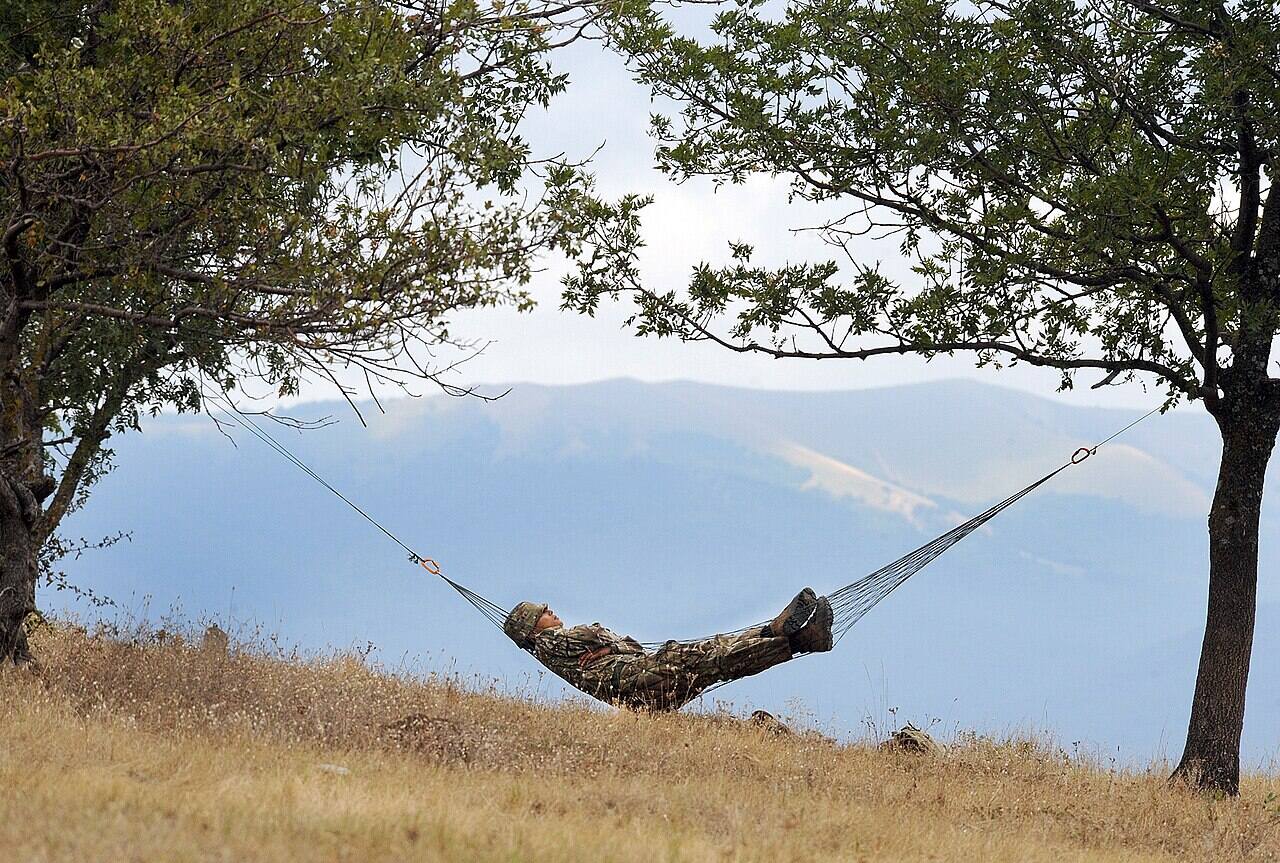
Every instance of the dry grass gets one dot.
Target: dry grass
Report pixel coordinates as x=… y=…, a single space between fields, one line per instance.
x=149 y=748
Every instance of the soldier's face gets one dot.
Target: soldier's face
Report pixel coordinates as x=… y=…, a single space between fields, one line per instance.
x=547 y=621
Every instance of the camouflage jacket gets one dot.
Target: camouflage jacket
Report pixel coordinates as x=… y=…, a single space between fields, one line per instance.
x=568 y=651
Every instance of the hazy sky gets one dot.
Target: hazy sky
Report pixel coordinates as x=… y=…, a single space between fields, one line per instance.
x=685 y=224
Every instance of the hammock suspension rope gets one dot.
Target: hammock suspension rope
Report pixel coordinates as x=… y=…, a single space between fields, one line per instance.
x=849 y=603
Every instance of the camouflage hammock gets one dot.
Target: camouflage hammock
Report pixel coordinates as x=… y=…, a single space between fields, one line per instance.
x=848 y=603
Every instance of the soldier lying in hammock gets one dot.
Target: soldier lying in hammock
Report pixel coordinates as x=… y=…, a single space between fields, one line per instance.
x=620 y=671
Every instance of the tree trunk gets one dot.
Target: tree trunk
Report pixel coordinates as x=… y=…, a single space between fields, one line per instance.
x=19 y=513
x=23 y=486
x=1211 y=759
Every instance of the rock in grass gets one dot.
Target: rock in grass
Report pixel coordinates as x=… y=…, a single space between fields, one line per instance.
x=768 y=723
x=910 y=739
x=215 y=640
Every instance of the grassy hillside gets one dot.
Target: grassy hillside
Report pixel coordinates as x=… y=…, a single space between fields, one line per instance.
x=147 y=746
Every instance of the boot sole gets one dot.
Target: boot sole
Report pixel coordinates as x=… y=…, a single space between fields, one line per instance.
x=822 y=618
x=784 y=623
x=799 y=619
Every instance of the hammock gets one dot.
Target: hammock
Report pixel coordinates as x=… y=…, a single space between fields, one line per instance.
x=848 y=603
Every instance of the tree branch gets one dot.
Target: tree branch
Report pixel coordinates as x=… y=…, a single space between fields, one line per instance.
x=1175 y=379
x=91 y=436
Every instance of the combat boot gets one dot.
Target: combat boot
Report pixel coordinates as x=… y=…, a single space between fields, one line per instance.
x=795 y=615
x=815 y=635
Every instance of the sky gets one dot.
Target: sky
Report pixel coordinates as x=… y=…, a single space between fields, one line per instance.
x=687 y=223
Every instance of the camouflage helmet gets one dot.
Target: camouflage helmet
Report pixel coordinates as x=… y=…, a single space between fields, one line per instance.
x=522 y=620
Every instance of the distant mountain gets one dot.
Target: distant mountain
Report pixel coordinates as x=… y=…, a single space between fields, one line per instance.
x=671 y=510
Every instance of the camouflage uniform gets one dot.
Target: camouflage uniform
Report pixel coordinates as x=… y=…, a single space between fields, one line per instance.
x=620 y=671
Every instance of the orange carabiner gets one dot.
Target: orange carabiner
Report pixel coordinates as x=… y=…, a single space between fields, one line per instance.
x=429 y=565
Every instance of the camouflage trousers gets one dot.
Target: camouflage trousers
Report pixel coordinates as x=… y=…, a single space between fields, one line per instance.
x=679 y=671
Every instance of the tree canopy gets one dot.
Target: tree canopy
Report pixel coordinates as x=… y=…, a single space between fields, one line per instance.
x=1075 y=185
x=202 y=195
x=1084 y=186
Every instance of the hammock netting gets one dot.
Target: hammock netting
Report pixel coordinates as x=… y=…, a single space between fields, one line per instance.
x=848 y=603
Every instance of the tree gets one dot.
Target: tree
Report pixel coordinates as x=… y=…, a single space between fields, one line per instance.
x=1081 y=186
x=199 y=195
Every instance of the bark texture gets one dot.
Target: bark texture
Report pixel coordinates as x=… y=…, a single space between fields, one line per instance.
x=23 y=487
x=1211 y=759
x=18 y=566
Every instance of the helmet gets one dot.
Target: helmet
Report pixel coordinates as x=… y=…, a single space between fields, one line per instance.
x=520 y=623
